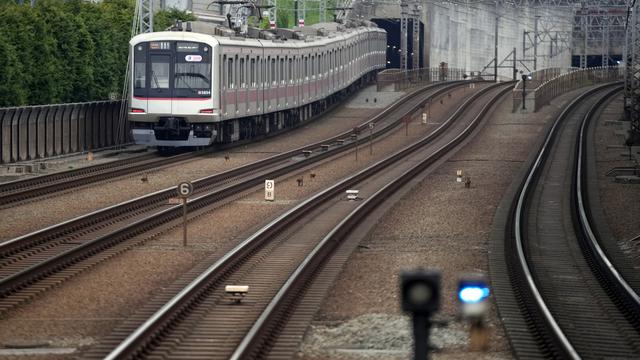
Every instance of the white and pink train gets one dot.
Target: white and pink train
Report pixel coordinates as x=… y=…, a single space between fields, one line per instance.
x=193 y=89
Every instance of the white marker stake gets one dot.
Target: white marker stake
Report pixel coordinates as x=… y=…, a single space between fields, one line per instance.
x=269 y=190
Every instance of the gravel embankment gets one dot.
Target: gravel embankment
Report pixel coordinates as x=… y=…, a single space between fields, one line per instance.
x=440 y=224
x=88 y=306
x=620 y=201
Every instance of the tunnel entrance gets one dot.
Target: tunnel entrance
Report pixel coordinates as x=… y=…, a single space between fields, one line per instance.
x=392 y=26
x=595 y=60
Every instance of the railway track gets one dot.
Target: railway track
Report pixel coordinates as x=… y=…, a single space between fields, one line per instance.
x=35 y=262
x=280 y=263
x=570 y=300
x=14 y=192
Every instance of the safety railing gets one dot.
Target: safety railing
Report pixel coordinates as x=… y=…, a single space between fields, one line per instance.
x=416 y=77
x=544 y=89
x=35 y=132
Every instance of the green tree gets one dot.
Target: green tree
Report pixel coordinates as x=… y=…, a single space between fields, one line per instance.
x=12 y=91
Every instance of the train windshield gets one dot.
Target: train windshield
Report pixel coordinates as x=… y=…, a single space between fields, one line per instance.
x=172 y=69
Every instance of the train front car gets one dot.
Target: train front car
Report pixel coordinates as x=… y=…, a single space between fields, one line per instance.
x=173 y=97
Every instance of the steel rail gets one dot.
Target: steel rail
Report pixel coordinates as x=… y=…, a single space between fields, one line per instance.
x=20 y=190
x=21 y=279
x=19 y=243
x=566 y=347
x=605 y=265
x=177 y=305
x=303 y=272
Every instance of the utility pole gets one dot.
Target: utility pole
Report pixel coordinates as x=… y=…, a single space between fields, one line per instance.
x=417 y=11
x=535 y=43
x=403 y=36
x=495 y=36
x=145 y=19
x=632 y=73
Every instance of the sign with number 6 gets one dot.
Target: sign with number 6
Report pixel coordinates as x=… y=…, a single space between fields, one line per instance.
x=185 y=189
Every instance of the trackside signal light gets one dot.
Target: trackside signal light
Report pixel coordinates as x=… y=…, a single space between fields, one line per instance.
x=473 y=291
x=473 y=294
x=137 y=111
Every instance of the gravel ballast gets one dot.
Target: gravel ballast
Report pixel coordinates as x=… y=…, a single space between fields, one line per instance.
x=114 y=289
x=439 y=224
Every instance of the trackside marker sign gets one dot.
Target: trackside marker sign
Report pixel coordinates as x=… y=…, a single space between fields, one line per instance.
x=269 y=190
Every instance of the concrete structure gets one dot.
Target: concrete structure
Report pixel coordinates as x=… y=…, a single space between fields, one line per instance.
x=463 y=35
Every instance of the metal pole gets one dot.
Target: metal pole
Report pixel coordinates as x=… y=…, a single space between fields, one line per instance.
x=524 y=45
x=524 y=83
x=184 y=222
x=535 y=43
x=421 y=327
x=356 y=148
x=495 y=55
x=515 y=70
x=370 y=140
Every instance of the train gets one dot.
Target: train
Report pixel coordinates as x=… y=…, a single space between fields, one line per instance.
x=200 y=84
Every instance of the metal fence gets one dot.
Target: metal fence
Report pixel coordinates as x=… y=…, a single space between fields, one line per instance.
x=544 y=89
x=406 y=79
x=35 y=132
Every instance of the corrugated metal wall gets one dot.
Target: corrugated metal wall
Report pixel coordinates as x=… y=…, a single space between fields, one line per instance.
x=35 y=132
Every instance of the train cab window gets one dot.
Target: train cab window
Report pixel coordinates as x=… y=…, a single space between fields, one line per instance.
x=160 y=66
x=139 y=75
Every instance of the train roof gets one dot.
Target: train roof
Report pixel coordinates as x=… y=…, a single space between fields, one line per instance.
x=313 y=35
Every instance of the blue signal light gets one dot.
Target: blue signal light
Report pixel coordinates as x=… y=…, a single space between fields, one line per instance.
x=473 y=294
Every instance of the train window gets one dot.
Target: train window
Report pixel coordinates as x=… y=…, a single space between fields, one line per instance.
x=225 y=75
x=267 y=77
x=140 y=75
x=274 y=81
x=306 y=68
x=194 y=78
x=282 y=73
x=291 y=70
x=241 y=80
x=254 y=78
x=159 y=73
x=230 y=74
